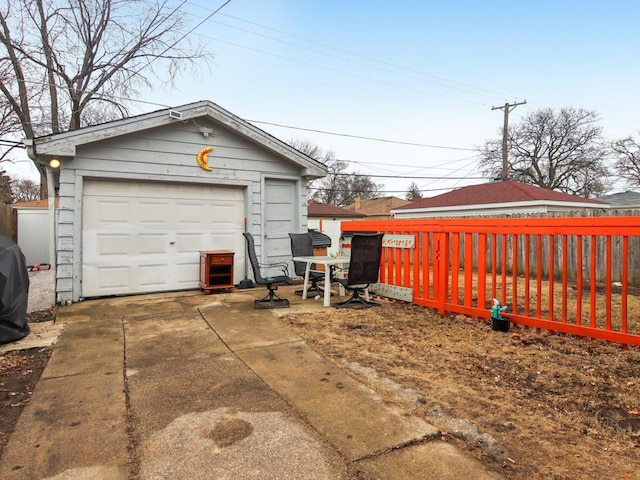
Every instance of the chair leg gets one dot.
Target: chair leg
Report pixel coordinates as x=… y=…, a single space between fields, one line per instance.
x=271 y=300
x=356 y=301
x=314 y=288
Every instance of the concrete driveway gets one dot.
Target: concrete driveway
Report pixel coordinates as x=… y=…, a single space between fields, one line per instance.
x=193 y=386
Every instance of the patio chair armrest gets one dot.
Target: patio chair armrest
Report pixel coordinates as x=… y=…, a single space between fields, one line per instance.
x=277 y=265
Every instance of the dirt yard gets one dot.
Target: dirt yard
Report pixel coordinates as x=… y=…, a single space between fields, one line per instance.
x=527 y=403
x=20 y=370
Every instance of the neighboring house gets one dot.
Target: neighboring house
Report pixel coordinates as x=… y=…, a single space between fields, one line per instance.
x=497 y=198
x=141 y=196
x=32 y=230
x=327 y=219
x=623 y=200
x=376 y=208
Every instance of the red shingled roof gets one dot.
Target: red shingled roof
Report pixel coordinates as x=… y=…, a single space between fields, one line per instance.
x=496 y=192
x=317 y=209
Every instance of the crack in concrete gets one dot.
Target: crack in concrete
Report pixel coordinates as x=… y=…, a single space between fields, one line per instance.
x=410 y=443
x=132 y=436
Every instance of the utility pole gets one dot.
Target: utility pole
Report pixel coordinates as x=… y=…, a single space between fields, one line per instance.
x=507 y=107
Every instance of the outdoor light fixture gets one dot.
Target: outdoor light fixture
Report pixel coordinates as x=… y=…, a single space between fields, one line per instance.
x=55 y=163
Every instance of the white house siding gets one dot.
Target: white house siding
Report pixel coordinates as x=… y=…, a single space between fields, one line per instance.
x=167 y=154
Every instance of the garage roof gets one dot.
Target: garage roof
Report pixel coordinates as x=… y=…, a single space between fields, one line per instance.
x=65 y=144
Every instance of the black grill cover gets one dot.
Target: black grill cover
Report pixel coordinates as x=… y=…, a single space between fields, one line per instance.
x=319 y=239
x=14 y=292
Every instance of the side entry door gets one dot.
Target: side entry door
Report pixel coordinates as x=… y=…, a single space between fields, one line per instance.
x=281 y=218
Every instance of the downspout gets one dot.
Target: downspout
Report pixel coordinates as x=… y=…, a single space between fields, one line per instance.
x=51 y=204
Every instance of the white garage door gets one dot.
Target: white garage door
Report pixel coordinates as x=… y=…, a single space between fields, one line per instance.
x=140 y=237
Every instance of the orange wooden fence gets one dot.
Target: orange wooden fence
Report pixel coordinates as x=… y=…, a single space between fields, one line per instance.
x=461 y=265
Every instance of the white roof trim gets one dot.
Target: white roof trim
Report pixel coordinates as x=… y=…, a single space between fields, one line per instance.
x=65 y=144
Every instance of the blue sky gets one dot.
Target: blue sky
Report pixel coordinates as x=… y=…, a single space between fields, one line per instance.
x=424 y=72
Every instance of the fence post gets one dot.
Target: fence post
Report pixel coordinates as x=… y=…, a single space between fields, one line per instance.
x=441 y=267
x=7 y=221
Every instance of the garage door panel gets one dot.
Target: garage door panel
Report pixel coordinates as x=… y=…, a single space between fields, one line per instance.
x=152 y=276
x=150 y=213
x=223 y=213
x=189 y=213
x=151 y=243
x=141 y=237
x=110 y=245
x=110 y=211
x=112 y=277
x=189 y=242
x=224 y=239
x=185 y=272
x=113 y=244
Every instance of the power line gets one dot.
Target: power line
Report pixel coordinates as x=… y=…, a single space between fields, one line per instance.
x=341 y=58
x=418 y=168
x=462 y=168
x=407 y=176
x=194 y=28
x=182 y=37
x=383 y=191
x=354 y=75
x=415 y=173
x=467 y=89
x=11 y=143
x=324 y=132
x=376 y=60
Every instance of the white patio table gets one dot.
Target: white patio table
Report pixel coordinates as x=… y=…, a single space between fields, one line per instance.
x=327 y=261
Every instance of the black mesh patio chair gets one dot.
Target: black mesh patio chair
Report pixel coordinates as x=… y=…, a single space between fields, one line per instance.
x=271 y=300
x=364 y=267
x=302 y=246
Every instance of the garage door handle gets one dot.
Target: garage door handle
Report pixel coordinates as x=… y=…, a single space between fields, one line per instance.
x=172 y=243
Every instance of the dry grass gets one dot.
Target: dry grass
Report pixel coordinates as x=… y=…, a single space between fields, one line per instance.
x=537 y=304
x=530 y=404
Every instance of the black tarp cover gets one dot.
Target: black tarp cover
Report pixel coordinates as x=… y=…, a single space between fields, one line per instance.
x=14 y=292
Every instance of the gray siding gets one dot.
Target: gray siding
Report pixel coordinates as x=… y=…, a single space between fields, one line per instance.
x=166 y=153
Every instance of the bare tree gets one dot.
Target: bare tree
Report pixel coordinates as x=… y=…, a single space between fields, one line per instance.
x=69 y=63
x=354 y=185
x=340 y=187
x=413 y=193
x=6 y=195
x=24 y=190
x=562 y=151
x=628 y=163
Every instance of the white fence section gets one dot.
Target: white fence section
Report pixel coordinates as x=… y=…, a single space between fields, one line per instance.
x=330 y=228
x=33 y=234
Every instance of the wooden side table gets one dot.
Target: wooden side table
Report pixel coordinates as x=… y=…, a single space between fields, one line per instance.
x=216 y=270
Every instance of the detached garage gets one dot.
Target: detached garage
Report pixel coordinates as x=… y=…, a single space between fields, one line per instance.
x=139 y=198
